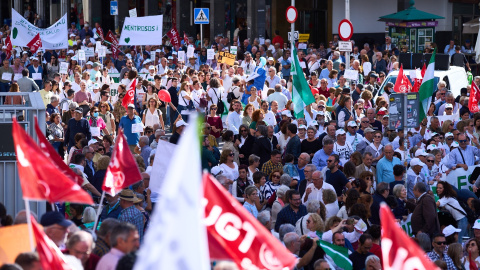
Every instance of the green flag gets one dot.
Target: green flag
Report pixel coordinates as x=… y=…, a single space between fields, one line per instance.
x=426 y=89
x=338 y=254
x=301 y=93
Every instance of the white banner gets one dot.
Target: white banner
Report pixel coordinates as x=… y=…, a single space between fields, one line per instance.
x=142 y=31
x=444 y=118
x=54 y=37
x=460 y=178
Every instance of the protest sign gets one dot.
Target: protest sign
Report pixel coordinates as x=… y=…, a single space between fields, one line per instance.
x=13 y=241
x=226 y=58
x=351 y=74
x=98 y=45
x=181 y=56
x=142 y=31
x=133 y=12
x=460 y=178
x=63 y=68
x=233 y=50
x=190 y=51
x=210 y=54
x=102 y=52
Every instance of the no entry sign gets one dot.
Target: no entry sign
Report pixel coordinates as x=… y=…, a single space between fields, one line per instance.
x=345 y=29
x=291 y=14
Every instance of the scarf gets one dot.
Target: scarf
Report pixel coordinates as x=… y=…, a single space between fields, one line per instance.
x=377 y=151
x=94 y=121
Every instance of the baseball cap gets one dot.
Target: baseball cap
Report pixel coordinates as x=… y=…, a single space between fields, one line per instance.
x=476 y=225
x=72 y=35
x=79 y=110
x=320 y=113
x=386 y=116
x=90 y=63
x=302 y=127
x=368 y=130
x=128 y=56
x=314 y=123
x=448 y=134
x=352 y=124
x=420 y=152
x=270 y=59
x=151 y=68
x=181 y=123
x=416 y=161
x=454 y=145
x=70 y=52
x=96 y=86
x=448 y=105
x=340 y=132
x=359 y=86
x=346 y=90
x=287 y=113
x=449 y=230
x=51 y=218
x=374 y=75
x=33 y=58
x=131 y=106
x=431 y=147
x=92 y=141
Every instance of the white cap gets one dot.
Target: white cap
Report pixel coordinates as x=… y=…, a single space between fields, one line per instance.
x=340 y=132
x=128 y=55
x=24 y=52
x=287 y=113
x=33 y=58
x=146 y=61
x=72 y=35
x=302 y=127
x=383 y=109
x=270 y=59
x=70 y=51
x=433 y=134
x=476 y=225
x=170 y=58
x=131 y=106
x=90 y=63
x=157 y=51
x=352 y=124
x=314 y=123
x=449 y=230
x=448 y=134
x=320 y=113
x=431 y=147
x=386 y=116
x=448 y=105
x=415 y=162
x=181 y=123
x=174 y=53
x=151 y=68
x=96 y=86
x=92 y=141
x=454 y=145
x=420 y=152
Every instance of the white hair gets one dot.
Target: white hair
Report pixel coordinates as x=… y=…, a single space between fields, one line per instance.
x=88 y=215
x=264 y=217
x=289 y=238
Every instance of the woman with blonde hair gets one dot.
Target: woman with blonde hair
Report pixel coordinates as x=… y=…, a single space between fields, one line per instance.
x=247 y=115
x=107 y=116
x=330 y=201
x=316 y=225
x=447 y=126
x=152 y=115
x=14 y=100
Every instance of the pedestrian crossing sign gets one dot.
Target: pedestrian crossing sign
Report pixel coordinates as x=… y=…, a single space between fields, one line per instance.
x=201 y=15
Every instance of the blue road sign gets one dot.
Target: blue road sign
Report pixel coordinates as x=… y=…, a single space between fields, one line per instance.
x=201 y=15
x=113 y=8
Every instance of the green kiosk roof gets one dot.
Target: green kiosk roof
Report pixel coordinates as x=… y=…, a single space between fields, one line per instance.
x=410 y=14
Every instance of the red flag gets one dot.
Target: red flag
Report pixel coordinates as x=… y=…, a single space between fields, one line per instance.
x=424 y=69
x=8 y=44
x=35 y=43
x=39 y=177
x=185 y=39
x=129 y=97
x=50 y=255
x=402 y=84
x=100 y=33
x=122 y=170
x=418 y=82
x=50 y=152
x=114 y=43
x=174 y=37
x=398 y=250
x=234 y=234
x=474 y=98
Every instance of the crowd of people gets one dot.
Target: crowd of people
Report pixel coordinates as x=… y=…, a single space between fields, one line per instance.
x=320 y=176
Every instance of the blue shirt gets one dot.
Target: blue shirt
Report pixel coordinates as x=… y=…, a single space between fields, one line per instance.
x=320 y=159
x=385 y=169
x=324 y=74
x=288 y=216
x=469 y=155
x=412 y=179
x=252 y=209
x=126 y=123
x=285 y=71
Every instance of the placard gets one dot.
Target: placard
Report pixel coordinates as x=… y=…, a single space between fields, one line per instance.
x=344 y=46
x=17 y=76
x=63 y=69
x=396 y=111
x=302 y=46
x=181 y=56
x=81 y=55
x=145 y=30
x=351 y=74
x=37 y=76
x=133 y=12
x=137 y=128
x=102 y=52
x=303 y=65
x=367 y=67
x=7 y=76
x=89 y=52
x=152 y=56
x=98 y=45
x=190 y=51
x=226 y=58
x=95 y=131
x=210 y=54
x=233 y=50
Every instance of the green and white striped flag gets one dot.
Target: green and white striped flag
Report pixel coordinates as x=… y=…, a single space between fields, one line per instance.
x=338 y=254
x=301 y=93
x=426 y=89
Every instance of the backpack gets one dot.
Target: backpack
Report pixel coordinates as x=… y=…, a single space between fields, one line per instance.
x=231 y=96
x=220 y=106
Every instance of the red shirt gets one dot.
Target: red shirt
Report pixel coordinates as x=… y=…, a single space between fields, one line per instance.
x=277 y=39
x=324 y=92
x=377 y=250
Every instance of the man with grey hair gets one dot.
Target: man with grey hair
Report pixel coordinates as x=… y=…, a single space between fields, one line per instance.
x=278 y=96
x=314 y=190
x=52 y=107
x=285 y=91
x=158 y=134
x=372 y=262
x=326 y=71
x=265 y=219
x=308 y=171
x=303 y=160
x=143 y=149
x=124 y=239
x=336 y=60
x=277 y=206
x=80 y=245
x=284 y=229
x=449 y=99
x=321 y=156
x=293 y=242
x=102 y=244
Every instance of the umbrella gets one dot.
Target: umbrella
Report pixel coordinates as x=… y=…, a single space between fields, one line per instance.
x=164 y=96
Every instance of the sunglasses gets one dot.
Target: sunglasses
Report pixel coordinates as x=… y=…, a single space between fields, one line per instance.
x=378 y=136
x=328 y=161
x=231 y=154
x=430 y=160
x=462 y=141
x=365 y=122
x=441 y=243
x=449 y=109
x=276 y=176
x=449 y=139
x=100 y=149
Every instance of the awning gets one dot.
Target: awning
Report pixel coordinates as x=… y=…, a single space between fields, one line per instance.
x=471 y=27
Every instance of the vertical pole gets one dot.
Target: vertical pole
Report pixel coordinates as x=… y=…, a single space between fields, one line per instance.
x=293 y=30
x=405 y=137
x=99 y=211
x=201 y=35
x=116 y=23
x=347 y=16
x=29 y=221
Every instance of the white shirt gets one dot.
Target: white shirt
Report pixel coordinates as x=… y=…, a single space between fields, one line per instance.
x=162 y=70
x=227 y=83
x=344 y=152
x=353 y=140
x=316 y=194
x=214 y=94
x=230 y=173
x=248 y=68
x=269 y=118
x=75 y=86
x=234 y=120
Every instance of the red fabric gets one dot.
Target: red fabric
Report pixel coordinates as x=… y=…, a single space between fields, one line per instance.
x=323 y=92
x=50 y=152
x=39 y=177
x=418 y=82
x=377 y=250
x=402 y=84
x=234 y=234
x=35 y=43
x=130 y=96
x=398 y=250
x=174 y=37
x=474 y=98
x=215 y=122
x=164 y=96
x=276 y=39
x=50 y=256
x=314 y=90
x=100 y=33
x=8 y=44
x=113 y=40
x=122 y=170
x=185 y=39
x=472 y=263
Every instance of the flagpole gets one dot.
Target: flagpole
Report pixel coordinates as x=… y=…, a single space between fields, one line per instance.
x=29 y=221
x=99 y=211
x=53 y=207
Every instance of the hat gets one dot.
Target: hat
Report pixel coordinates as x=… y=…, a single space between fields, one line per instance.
x=89 y=63
x=420 y=152
x=24 y=52
x=477 y=224
x=302 y=127
x=174 y=53
x=128 y=55
x=79 y=110
x=131 y=106
x=454 y=145
x=373 y=75
x=415 y=162
x=96 y=86
x=146 y=61
x=128 y=195
x=171 y=58
x=287 y=113
x=4 y=47
x=216 y=171
x=431 y=147
x=33 y=58
x=70 y=51
x=51 y=218
x=97 y=64
x=467 y=41
x=151 y=68
x=193 y=57
x=157 y=50
x=270 y=59
x=449 y=230
x=181 y=123
x=340 y=132
x=346 y=90
x=72 y=23
x=92 y=141
x=448 y=105
x=352 y=124
x=314 y=123
x=382 y=111
x=320 y=113
x=448 y=134
x=367 y=130
x=386 y=116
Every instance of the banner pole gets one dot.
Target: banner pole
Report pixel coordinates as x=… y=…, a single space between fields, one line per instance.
x=201 y=35
x=99 y=211
x=29 y=221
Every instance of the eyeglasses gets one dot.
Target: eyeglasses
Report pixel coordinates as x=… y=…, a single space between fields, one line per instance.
x=213 y=109
x=231 y=154
x=305 y=171
x=462 y=141
x=365 y=122
x=430 y=160
x=328 y=160
x=442 y=94
x=378 y=136
x=441 y=243
x=276 y=176
x=449 y=109
x=100 y=149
